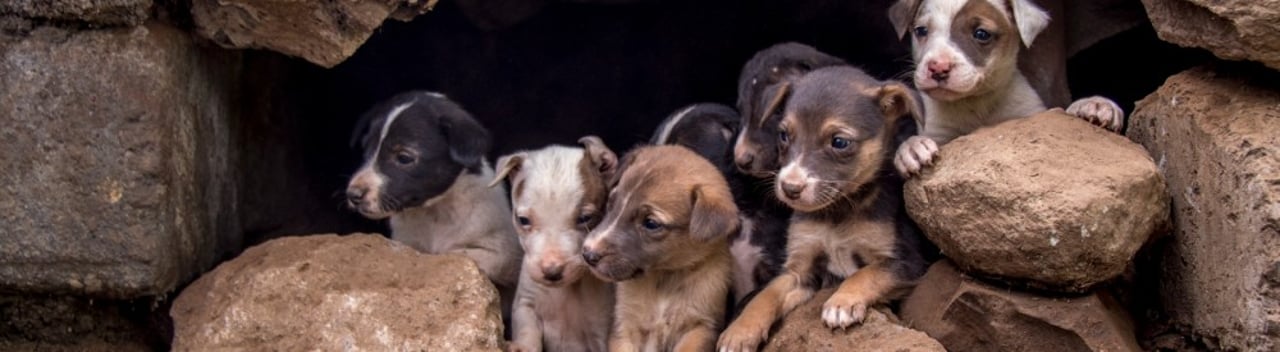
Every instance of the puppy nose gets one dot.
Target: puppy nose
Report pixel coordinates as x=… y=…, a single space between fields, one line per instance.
x=792 y=189
x=553 y=273
x=591 y=257
x=939 y=70
x=355 y=196
x=743 y=160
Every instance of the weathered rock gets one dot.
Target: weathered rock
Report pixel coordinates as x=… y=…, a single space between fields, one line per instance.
x=92 y=12
x=1217 y=139
x=803 y=330
x=322 y=32
x=117 y=161
x=968 y=315
x=1231 y=29
x=333 y=293
x=1048 y=201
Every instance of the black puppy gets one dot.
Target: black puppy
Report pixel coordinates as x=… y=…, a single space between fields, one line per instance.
x=759 y=248
x=759 y=91
x=424 y=169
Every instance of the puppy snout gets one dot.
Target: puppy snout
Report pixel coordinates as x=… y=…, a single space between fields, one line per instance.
x=743 y=160
x=553 y=273
x=591 y=257
x=355 y=196
x=940 y=70
x=792 y=189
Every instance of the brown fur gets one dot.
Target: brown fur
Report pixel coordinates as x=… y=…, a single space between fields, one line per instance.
x=673 y=278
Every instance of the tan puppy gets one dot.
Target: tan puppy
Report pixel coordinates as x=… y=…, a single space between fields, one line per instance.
x=664 y=239
x=850 y=227
x=558 y=194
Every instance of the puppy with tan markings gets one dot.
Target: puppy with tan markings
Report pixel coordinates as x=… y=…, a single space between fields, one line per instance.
x=558 y=194
x=850 y=227
x=966 y=54
x=664 y=241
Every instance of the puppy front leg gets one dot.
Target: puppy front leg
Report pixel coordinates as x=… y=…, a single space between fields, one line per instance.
x=624 y=339
x=750 y=329
x=699 y=339
x=848 y=305
x=914 y=154
x=526 y=326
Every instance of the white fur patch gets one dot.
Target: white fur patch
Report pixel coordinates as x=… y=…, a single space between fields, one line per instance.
x=665 y=132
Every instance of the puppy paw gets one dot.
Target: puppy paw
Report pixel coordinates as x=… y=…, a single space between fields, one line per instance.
x=914 y=154
x=843 y=310
x=1099 y=111
x=742 y=336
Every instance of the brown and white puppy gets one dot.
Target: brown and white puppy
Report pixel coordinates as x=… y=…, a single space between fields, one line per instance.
x=664 y=240
x=966 y=54
x=424 y=169
x=850 y=227
x=558 y=194
x=759 y=247
x=755 y=152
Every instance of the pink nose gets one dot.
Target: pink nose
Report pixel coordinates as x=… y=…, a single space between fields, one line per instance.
x=940 y=70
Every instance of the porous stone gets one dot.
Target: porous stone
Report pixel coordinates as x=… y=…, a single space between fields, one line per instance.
x=91 y=12
x=1216 y=136
x=322 y=32
x=332 y=293
x=1231 y=29
x=803 y=330
x=967 y=315
x=1049 y=201
x=117 y=178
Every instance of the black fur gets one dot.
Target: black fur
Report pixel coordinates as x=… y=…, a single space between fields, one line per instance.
x=758 y=81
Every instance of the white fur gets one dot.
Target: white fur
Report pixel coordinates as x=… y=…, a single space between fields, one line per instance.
x=665 y=132
x=745 y=259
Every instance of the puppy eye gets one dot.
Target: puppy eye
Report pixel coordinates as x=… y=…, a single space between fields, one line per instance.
x=920 y=31
x=651 y=224
x=404 y=158
x=982 y=35
x=839 y=143
x=584 y=219
x=783 y=136
x=523 y=221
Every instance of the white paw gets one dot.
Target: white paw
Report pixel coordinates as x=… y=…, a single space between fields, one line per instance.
x=1099 y=111
x=841 y=311
x=914 y=154
x=742 y=336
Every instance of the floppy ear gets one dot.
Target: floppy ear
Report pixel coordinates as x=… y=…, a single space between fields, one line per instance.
x=714 y=214
x=1030 y=19
x=777 y=95
x=468 y=141
x=604 y=159
x=901 y=14
x=508 y=167
x=896 y=101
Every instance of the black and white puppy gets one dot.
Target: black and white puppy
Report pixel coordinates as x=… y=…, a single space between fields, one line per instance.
x=759 y=248
x=424 y=169
x=759 y=88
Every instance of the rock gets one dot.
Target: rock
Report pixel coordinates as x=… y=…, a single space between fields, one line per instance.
x=118 y=161
x=332 y=293
x=92 y=12
x=803 y=330
x=322 y=32
x=967 y=315
x=1048 y=201
x=1217 y=138
x=1231 y=29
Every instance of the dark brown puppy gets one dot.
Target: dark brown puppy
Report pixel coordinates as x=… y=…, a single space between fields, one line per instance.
x=837 y=137
x=664 y=239
x=755 y=152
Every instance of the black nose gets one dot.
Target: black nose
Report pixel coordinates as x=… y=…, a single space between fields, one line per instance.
x=591 y=257
x=940 y=76
x=792 y=190
x=554 y=273
x=355 y=196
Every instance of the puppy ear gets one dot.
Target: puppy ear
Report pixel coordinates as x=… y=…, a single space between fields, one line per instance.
x=1030 y=19
x=714 y=214
x=363 y=127
x=901 y=14
x=896 y=101
x=778 y=94
x=604 y=159
x=507 y=167
x=468 y=141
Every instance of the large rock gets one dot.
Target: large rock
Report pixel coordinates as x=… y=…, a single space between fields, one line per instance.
x=1048 y=201
x=322 y=32
x=334 y=293
x=117 y=161
x=92 y=12
x=1231 y=29
x=968 y=315
x=803 y=330
x=1217 y=139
